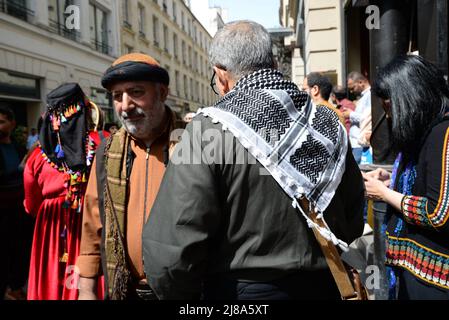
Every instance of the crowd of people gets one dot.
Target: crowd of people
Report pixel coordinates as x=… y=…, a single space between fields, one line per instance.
x=225 y=206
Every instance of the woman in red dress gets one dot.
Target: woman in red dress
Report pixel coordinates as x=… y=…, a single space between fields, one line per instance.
x=55 y=178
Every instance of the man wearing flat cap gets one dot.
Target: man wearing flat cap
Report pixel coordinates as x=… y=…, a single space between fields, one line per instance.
x=125 y=179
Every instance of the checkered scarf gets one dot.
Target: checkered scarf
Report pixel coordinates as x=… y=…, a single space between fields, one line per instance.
x=301 y=145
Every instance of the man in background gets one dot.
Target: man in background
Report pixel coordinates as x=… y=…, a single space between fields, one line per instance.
x=15 y=227
x=340 y=99
x=319 y=88
x=32 y=138
x=359 y=85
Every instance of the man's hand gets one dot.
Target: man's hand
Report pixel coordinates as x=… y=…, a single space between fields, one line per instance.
x=88 y=289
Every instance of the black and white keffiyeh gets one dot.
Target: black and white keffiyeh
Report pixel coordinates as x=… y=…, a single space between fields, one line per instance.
x=301 y=145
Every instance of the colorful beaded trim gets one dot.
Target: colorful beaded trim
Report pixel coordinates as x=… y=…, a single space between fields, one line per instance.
x=414 y=210
x=424 y=263
x=73 y=179
x=441 y=213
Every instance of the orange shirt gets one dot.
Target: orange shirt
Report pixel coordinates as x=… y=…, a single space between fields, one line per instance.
x=140 y=188
x=333 y=108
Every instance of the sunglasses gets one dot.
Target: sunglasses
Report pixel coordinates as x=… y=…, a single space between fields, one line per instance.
x=213 y=85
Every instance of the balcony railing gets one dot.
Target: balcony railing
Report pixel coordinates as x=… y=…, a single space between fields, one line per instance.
x=62 y=30
x=15 y=9
x=101 y=47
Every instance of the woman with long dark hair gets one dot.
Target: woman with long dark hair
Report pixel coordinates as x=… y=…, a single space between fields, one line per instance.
x=415 y=98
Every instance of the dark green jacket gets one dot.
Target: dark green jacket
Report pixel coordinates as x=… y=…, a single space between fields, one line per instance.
x=234 y=220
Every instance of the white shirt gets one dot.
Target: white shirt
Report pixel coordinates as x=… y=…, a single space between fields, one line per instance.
x=362 y=110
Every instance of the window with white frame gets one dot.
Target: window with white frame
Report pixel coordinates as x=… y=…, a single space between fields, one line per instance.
x=156 y=31
x=175 y=12
x=56 y=9
x=186 y=88
x=98 y=28
x=183 y=21
x=166 y=38
x=189 y=27
x=197 y=91
x=189 y=56
x=126 y=13
x=195 y=61
x=175 y=45
x=183 y=52
x=141 y=19
x=56 y=15
x=177 y=84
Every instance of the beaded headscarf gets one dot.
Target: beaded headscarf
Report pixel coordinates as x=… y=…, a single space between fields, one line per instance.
x=64 y=139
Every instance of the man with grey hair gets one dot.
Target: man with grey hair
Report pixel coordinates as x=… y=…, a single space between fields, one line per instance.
x=225 y=229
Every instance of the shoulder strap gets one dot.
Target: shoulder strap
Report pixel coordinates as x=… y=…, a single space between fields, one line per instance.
x=101 y=180
x=333 y=259
x=101 y=135
x=101 y=176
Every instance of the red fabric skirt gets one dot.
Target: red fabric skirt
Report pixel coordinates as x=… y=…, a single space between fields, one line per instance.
x=50 y=278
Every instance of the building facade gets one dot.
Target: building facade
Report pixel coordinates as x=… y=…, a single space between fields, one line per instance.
x=339 y=36
x=168 y=31
x=46 y=43
x=212 y=18
x=317 y=44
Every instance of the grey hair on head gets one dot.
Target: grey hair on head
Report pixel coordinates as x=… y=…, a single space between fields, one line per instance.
x=356 y=76
x=242 y=47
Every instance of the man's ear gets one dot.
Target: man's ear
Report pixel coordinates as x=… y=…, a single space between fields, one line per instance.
x=164 y=90
x=223 y=84
x=314 y=91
